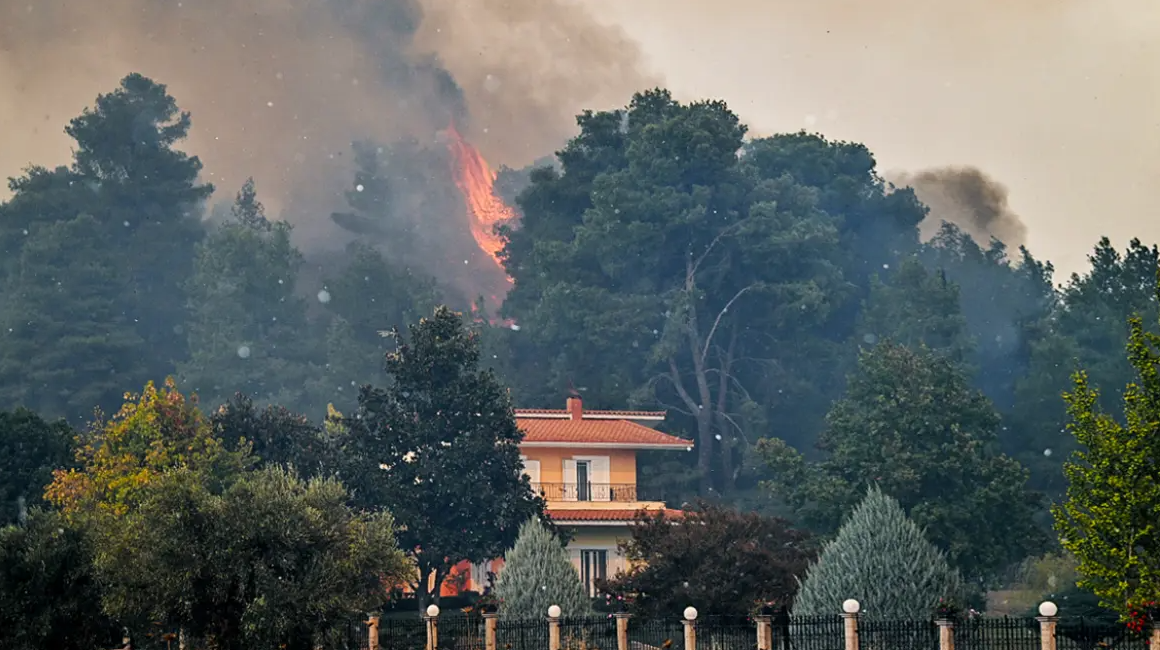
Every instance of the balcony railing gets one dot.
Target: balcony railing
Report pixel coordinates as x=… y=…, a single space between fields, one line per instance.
x=586 y=491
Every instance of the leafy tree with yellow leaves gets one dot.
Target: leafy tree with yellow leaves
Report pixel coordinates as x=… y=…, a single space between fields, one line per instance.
x=1110 y=520
x=153 y=432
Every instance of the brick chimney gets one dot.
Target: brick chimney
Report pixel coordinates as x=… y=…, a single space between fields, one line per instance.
x=575 y=407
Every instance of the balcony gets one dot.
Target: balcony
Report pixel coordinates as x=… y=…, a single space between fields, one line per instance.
x=621 y=493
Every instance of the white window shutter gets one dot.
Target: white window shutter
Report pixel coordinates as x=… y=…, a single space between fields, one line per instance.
x=601 y=477
x=532 y=469
x=569 y=480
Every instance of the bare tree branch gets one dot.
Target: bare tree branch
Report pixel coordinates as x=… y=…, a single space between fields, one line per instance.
x=725 y=231
x=720 y=315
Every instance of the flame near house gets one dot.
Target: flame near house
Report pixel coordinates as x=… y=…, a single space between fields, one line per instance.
x=485 y=210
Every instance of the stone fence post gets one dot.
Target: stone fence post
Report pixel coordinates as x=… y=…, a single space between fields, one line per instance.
x=621 y=630
x=690 y=628
x=850 y=609
x=490 y=624
x=1047 y=620
x=373 y=633
x=432 y=618
x=946 y=634
x=554 y=627
x=764 y=632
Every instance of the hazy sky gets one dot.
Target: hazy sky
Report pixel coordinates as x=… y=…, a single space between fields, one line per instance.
x=1057 y=99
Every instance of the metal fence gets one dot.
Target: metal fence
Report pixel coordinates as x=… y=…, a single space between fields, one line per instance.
x=726 y=633
x=403 y=633
x=1088 y=634
x=810 y=633
x=897 y=635
x=655 y=634
x=981 y=633
x=467 y=632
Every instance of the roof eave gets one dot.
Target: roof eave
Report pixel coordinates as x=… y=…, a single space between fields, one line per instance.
x=671 y=446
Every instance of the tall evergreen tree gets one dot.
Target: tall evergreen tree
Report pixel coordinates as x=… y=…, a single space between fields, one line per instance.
x=69 y=345
x=439 y=447
x=916 y=307
x=538 y=574
x=246 y=322
x=149 y=200
x=881 y=559
x=911 y=423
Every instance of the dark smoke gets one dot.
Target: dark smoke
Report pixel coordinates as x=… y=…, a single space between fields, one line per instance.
x=280 y=89
x=968 y=198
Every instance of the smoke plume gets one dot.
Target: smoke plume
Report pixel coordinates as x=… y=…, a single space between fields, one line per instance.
x=968 y=198
x=279 y=89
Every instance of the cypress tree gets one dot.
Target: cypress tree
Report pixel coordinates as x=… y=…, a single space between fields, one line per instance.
x=883 y=560
x=538 y=574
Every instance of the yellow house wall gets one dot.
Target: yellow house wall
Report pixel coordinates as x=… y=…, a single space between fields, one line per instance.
x=600 y=537
x=621 y=463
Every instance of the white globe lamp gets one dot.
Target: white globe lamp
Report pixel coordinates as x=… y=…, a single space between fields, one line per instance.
x=690 y=613
x=1047 y=609
x=432 y=611
x=851 y=606
x=554 y=611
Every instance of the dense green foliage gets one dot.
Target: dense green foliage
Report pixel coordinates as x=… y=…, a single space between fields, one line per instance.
x=1109 y=520
x=716 y=557
x=50 y=596
x=538 y=574
x=30 y=449
x=441 y=416
x=883 y=560
x=912 y=426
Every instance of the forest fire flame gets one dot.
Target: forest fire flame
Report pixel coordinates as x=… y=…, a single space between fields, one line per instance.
x=485 y=210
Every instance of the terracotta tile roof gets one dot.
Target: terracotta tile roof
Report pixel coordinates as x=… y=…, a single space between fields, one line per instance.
x=594 y=432
x=563 y=413
x=564 y=516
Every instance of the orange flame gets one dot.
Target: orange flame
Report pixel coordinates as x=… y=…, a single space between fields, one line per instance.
x=485 y=210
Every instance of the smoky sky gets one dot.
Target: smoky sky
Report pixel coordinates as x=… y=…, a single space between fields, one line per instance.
x=279 y=89
x=968 y=198
x=1057 y=99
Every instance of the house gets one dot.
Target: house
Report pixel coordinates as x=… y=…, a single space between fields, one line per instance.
x=583 y=463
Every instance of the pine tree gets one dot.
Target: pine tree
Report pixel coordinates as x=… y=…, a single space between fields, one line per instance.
x=538 y=574
x=246 y=322
x=883 y=560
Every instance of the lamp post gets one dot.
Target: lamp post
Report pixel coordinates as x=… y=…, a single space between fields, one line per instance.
x=1048 y=617
x=690 y=628
x=554 y=627
x=432 y=627
x=850 y=609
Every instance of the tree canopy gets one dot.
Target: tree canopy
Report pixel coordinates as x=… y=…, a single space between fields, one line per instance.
x=537 y=574
x=1109 y=518
x=883 y=560
x=442 y=416
x=912 y=426
x=716 y=557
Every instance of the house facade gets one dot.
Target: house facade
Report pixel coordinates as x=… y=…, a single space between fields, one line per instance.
x=583 y=463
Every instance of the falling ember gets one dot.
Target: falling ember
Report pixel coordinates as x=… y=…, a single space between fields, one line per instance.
x=485 y=210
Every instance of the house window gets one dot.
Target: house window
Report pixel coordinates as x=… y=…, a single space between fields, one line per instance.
x=593 y=567
x=583 y=480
